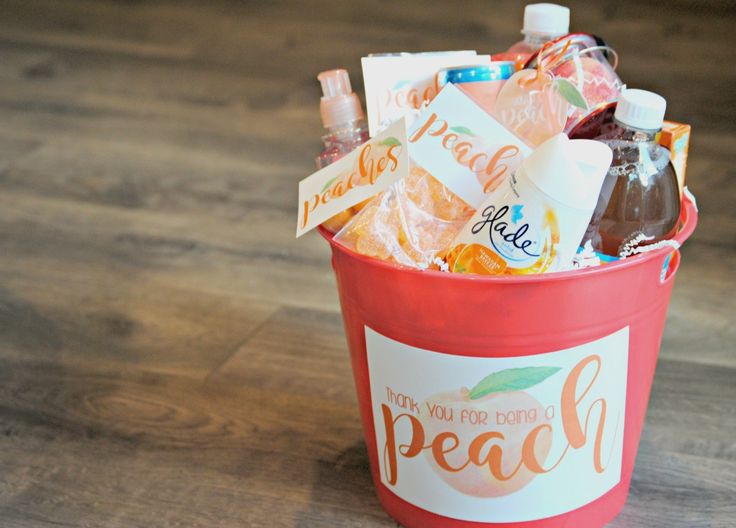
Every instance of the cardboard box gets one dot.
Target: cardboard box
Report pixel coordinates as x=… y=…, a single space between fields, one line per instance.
x=676 y=138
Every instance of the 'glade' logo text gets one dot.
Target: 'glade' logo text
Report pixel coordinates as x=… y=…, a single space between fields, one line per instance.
x=504 y=238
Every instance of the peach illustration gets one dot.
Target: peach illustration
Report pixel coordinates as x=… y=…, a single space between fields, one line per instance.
x=600 y=85
x=530 y=107
x=504 y=417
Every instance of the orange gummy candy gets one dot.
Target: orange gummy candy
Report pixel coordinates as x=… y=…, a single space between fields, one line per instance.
x=409 y=223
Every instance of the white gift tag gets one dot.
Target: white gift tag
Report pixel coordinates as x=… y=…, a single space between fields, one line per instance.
x=463 y=146
x=397 y=85
x=499 y=439
x=366 y=171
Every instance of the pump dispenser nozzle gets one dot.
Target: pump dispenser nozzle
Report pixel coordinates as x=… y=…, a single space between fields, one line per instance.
x=339 y=104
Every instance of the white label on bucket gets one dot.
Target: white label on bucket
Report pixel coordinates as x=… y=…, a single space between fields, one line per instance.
x=502 y=439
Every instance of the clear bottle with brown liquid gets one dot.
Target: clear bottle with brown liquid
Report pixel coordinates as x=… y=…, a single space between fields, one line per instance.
x=640 y=200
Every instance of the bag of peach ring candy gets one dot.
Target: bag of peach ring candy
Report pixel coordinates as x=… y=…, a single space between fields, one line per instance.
x=410 y=223
x=457 y=153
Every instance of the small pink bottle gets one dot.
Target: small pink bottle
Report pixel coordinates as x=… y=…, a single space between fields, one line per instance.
x=342 y=116
x=542 y=23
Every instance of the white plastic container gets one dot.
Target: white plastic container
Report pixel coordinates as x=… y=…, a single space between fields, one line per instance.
x=534 y=222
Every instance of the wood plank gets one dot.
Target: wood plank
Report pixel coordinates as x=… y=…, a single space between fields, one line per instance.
x=310 y=342
x=171 y=356
x=73 y=433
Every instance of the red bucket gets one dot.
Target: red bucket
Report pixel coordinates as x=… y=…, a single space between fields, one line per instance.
x=506 y=402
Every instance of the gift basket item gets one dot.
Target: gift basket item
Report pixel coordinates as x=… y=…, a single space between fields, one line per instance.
x=525 y=395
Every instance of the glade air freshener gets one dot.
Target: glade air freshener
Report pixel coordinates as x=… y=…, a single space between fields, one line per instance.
x=534 y=222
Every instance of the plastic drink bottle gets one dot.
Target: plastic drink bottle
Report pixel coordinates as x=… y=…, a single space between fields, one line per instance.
x=535 y=221
x=342 y=116
x=640 y=200
x=542 y=23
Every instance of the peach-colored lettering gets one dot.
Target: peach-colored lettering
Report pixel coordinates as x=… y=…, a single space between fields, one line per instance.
x=426 y=128
x=448 y=140
x=494 y=170
x=439 y=450
x=461 y=150
x=392 y=156
x=447 y=441
x=409 y=450
x=368 y=171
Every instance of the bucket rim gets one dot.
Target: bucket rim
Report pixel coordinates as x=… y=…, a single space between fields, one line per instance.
x=688 y=221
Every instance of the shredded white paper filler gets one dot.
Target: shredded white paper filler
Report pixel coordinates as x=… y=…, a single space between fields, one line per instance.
x=633 y=248
x=586 y=258
x=691 y=197
x=441 y=264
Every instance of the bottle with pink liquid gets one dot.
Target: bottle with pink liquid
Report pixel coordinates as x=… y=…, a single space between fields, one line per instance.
x=342 y=116
x=542 y=23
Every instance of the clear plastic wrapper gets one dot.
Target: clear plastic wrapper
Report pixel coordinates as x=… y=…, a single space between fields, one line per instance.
x=410 y=223
x=582 y=61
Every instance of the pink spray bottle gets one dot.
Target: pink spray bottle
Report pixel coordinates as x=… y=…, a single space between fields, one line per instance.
x=342 y=116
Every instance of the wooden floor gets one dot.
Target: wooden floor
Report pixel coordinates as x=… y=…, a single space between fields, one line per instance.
x=171 y=356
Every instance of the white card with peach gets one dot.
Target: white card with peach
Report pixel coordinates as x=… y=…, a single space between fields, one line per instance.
x=502 y=438
x=398 y=84
x=366 y=171
x=462 y=146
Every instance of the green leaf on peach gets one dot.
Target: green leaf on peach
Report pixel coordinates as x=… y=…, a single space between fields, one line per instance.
x=512 y=379
x=571 y=94
x=390 y=142
x=462 y=130
x=327 y=185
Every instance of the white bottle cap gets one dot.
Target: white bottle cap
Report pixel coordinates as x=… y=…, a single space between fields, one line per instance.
x=569 y=171
x=339 y=105
x=641 y=109
x=550 y=19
